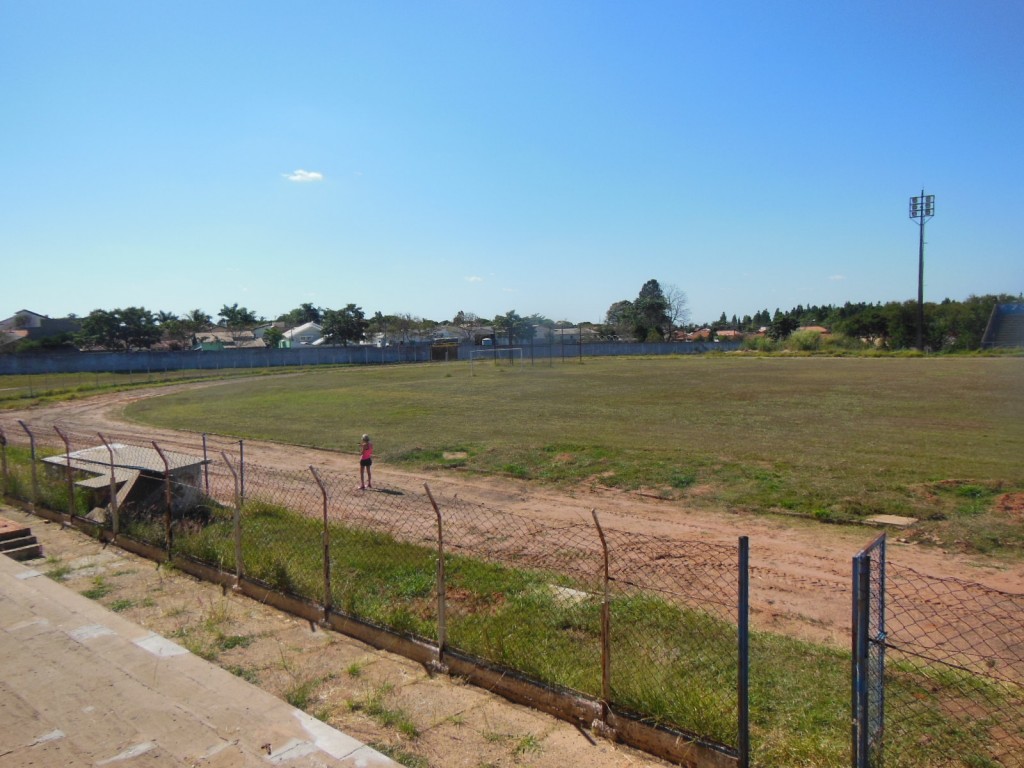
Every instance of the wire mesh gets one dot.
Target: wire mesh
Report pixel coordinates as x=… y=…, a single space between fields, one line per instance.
x=674 y=635
x=519 y=593
x=954 y=671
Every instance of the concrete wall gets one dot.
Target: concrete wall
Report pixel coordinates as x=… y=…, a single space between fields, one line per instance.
x=145 y=361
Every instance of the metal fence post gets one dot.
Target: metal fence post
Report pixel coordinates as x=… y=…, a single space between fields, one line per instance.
x=326 y=545
x=241 y=471
x=442 y=589
x=868 y=696
x=114 y=512
x=206 y=467
x=743 y=668
x=169 y=497
x=236 y=525
x=35 y=477
x=70 y=476
x=606 y=626
x=3 y=462
x=861 y=583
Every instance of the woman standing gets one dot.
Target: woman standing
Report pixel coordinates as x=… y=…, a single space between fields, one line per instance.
x=365 y=463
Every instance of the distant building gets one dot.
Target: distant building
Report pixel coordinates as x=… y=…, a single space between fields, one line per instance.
x=305 y=335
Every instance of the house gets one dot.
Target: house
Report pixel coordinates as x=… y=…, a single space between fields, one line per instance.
x=9 y=339
x=305 y=335
x=32 y=325
x=23 y=319
x=219 y=339
x=575 y=335
x=702 y=334
x=259 y=331
x=818 y=329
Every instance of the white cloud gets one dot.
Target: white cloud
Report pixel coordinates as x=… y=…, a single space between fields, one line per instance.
x=474 y=279
x=836 y=278
x=301 y=175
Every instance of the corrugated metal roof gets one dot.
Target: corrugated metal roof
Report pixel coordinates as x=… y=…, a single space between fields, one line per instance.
x=97 y=459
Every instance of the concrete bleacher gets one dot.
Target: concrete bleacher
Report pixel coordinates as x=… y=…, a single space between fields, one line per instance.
x=1005 y=327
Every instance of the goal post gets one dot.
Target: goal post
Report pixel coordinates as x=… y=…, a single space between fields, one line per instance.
x=497 y=355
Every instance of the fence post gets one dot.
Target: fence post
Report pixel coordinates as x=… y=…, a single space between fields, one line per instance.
x=743 y=669
x=206 y=467
x=35 y=477
x=169 y=497
x=236 y=525
x=861 y=584
x=241 y=471
x=442 y=589
x=606 y=626
x=68 y=472
x=114 y=513
x=326 y=544
x=3 y=462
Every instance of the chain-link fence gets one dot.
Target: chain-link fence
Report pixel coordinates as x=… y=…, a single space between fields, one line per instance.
x=938 y=669
x=649 y=629
x=954 y=670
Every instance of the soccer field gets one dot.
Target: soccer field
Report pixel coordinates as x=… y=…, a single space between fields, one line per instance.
x=832 y=438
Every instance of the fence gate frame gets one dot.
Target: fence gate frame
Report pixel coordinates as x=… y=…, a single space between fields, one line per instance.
x=868 y=657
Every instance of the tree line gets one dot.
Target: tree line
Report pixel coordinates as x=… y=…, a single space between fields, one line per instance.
x=656 y=314
x=948 y=325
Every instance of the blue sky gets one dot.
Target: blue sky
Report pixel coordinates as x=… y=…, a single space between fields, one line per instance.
x=547 y=157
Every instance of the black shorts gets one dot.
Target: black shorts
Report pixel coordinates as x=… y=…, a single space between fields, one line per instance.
x=365 y=462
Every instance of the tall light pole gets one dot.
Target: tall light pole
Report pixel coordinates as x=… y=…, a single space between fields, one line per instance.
x=922 y=208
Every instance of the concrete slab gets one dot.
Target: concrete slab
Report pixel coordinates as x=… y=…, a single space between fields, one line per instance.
x=893 y=521
x=92 y=689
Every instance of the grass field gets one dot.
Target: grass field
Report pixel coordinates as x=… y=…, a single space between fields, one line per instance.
x=830 y=438
x=21 y=391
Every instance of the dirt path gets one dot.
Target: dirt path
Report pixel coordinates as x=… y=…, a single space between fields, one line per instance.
x=801 y=571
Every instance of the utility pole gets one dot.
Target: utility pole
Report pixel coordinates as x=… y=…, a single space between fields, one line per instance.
x=922 y=208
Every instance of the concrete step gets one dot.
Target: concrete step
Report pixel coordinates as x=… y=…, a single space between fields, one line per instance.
x=29 y=551
x=17 y=541
x=12 y=530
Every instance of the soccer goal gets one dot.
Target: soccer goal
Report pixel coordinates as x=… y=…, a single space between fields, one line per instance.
x=497 y=355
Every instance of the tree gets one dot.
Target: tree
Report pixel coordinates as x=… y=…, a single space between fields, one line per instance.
x=237 y=320
x=99 y=329
x=405 y=324
x=304 y=313
x=676 y=309
x=341 y=326
x=236 y=316
x=651 y=312
x=129 y=328
x=196 y=320
x=273 y=336
x=782 y=327
x=619 y=320
x=468 y=323
x=176 y=332
x=517 y=328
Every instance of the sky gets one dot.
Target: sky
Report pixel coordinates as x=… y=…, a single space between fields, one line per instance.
x=544 y=156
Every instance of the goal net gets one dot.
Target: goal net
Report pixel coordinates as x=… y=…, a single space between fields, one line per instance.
x=498 y=355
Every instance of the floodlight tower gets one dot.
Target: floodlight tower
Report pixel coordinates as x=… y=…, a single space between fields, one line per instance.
x=922 y=208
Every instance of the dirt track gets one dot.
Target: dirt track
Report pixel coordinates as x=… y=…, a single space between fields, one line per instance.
x=801 y=571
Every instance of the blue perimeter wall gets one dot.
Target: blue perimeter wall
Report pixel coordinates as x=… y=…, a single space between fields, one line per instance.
x=136 y=362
